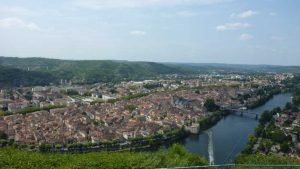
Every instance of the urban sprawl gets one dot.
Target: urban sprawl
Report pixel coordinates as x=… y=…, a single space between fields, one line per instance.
x=67 y=113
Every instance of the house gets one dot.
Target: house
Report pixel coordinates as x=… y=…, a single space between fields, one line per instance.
x=129 y=134
x=194 y=128
x=45 y=104
x=59 y=102
x=96 y=95
x=39 y=89
x=105 y=97
x=18 y=105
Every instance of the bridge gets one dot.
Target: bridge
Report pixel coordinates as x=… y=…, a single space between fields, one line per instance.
x=242 y=111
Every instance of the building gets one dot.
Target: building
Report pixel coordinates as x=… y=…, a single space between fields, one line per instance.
x=194 y=128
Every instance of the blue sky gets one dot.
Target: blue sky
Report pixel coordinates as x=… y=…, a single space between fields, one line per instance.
x=202 y=31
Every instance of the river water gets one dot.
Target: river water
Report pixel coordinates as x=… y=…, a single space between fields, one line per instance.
x=221 y=143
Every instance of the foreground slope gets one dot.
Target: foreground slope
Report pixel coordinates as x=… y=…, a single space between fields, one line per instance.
x=174 y=156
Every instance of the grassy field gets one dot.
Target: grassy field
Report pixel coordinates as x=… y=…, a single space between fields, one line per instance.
x=174 y=156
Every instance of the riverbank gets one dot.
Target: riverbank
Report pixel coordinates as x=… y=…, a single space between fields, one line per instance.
x=230 y=134
x=122 y=145
x=265 y=95
x=213 y=119
x=278 y=131
x=135 y=144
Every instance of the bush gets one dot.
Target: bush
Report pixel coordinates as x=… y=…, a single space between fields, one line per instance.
x=210 y=105
x=3 y=135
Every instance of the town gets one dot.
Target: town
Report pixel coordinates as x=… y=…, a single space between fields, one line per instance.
x=67 y=113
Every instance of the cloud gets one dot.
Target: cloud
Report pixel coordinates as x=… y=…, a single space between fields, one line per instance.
x=233 y=26
x=18 y=23
x=247 y=14
x=138 y=33
x=100 y=4
x=272 y=14
x=246 y=36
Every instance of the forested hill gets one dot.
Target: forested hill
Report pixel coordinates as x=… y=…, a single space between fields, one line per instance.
x=18 y=77
x=88 y=71
x=32 y=71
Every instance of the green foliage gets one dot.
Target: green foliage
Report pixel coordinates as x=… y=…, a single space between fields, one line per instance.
x=3 y=135
x=285 y=147
x=210 y=121
x=288 y=106
x=265 y=145
x=70 y=92
x=152 y=86
x=130 y=107
x=258 y=130
x=265 y=159
x=265 y=117
x=210 y=105
x=44 y=147
x=30 y=110
x=275 y=134
x=91 y=71
x=251 y=141
x=17 y=77
x=265 y=94
x=175 y=156
x=28 y=95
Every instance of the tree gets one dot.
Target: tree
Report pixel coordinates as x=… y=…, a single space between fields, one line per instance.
x=265 y=117
x=259 y=129
x=3 y=135
x=28 y=95
x=130 y=107
x=288 y=106
x=44 y=147
x=296 y=100
x=210 y=105
x=252 y=139
x=284 y=147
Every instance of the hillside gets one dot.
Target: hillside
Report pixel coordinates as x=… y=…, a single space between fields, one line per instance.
x=17 y=77
x=174 y=156
x=39 y=71
x=90 y=71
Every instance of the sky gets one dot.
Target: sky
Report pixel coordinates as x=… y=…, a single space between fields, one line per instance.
x=193 y=31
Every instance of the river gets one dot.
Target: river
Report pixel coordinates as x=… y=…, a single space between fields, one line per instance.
x=221 y=143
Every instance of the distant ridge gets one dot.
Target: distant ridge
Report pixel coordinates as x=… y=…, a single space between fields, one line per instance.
x=87 y=71
x=41 y=71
